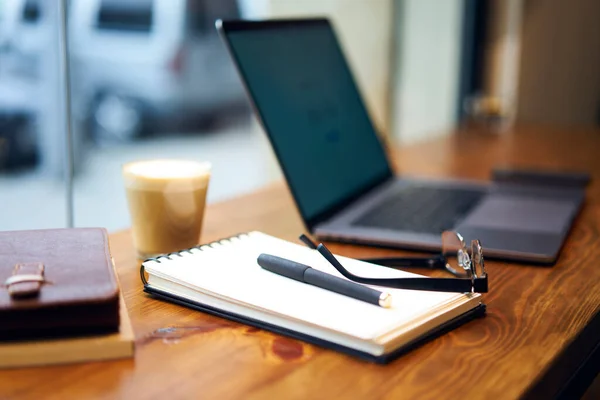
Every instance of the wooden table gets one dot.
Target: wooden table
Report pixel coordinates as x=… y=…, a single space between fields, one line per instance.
x=540 y=334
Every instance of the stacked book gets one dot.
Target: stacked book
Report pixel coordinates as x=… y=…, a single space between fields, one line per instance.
x=60 y=300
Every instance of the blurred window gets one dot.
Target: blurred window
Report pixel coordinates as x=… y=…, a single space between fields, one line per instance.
x=202 y=14
x=126 y=15
x=197 y=20
x=31 y=11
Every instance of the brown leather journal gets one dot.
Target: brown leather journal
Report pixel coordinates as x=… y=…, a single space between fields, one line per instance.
x=57 y=282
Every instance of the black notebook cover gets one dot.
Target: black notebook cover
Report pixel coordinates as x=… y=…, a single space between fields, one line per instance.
x=476 y=312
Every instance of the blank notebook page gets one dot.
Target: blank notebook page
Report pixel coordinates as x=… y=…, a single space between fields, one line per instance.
x=228 y=270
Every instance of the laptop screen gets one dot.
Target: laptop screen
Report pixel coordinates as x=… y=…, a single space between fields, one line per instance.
x=303 y=89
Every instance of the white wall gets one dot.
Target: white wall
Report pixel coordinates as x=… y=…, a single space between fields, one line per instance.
x=427 y=54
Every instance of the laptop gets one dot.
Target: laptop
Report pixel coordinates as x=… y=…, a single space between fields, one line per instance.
x=304 y=94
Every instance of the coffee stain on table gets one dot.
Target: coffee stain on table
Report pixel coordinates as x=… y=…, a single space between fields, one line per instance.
x=174 y=334
x=275 y=349
x=280 y=349
x=286 y=349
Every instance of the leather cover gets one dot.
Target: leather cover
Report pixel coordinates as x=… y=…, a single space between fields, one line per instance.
x=80 y=293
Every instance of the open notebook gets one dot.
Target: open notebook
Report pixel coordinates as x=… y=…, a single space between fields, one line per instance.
x=224 y=278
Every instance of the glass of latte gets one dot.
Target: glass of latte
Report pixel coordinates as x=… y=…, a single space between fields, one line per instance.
x=166 y=201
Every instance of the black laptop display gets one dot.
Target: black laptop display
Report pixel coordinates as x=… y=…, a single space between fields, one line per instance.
x=325 y=118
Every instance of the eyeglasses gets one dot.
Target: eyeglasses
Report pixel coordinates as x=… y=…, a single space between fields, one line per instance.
x=466 y=265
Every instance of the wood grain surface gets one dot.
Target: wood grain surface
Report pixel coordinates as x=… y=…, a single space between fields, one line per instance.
x=541 y=322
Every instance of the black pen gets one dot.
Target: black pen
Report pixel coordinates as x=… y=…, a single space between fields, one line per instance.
x=306 y=274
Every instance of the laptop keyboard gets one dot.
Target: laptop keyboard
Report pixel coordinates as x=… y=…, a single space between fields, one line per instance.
x=421 y=209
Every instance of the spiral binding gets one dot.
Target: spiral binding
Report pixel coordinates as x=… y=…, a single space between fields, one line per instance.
x=200 y=247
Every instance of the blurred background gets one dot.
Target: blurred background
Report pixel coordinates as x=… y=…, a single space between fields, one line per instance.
x=151 y=79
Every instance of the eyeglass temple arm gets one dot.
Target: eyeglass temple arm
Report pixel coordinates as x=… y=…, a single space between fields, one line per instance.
x=458 y=285
x=434 y=262
x=309 y=243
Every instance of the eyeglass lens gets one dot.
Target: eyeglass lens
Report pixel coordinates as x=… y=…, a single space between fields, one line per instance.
x=454 y=249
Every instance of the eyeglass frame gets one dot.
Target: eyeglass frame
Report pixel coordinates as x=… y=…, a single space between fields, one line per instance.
x=469 y=281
